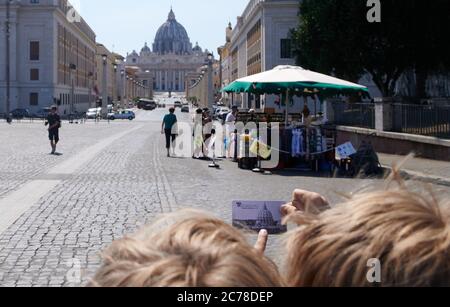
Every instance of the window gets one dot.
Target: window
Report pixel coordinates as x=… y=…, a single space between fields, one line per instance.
x=34 y=99
x=286 y=49
x=34 y=74
x=34 y=51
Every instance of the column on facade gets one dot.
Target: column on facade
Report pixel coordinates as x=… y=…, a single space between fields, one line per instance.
x=158 y=80
x=174 y=80
x=182 y=80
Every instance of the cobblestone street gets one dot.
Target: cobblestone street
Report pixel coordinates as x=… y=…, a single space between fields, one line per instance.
x=58 y=212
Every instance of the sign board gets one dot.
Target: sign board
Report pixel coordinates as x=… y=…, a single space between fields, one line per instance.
x=344 y=151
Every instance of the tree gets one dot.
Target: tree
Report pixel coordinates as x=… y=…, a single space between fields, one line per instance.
x=335 y=37
x=428 y=40
x=325 y=39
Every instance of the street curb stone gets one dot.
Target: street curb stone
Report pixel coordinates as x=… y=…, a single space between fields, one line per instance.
x=413 y=175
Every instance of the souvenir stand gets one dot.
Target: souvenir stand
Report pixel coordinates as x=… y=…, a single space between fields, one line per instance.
x=306 y=142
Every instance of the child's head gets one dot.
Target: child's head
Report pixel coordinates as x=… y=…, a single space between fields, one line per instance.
x=172 y=110
x=408 y=233
x=186 y=249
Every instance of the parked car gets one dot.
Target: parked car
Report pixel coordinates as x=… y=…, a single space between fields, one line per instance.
x=185 y=109
x=126 y=114
x=147 y=104
x=93 y=113
x=178 y=104
x=20 y=113
x=142 y=103
x=42 y=113
x=149 y=107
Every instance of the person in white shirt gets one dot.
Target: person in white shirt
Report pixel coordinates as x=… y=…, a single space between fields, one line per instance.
x=230 y=126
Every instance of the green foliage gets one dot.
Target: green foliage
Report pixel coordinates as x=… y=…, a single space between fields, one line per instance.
x=334 y=37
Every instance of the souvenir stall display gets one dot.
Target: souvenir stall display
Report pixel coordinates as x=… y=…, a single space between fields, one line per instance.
x=302 y=146
x=306 y=142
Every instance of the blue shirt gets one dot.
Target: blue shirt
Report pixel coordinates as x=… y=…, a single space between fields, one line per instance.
x=169 y=120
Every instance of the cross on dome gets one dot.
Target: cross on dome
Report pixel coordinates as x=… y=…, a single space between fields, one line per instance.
x=171 y=14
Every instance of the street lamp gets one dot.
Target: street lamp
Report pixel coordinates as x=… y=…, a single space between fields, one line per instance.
x=105 y=88
x=124 y=88
x=114 y=94
x=210 y=81
x=149 y=84
x=91 y=81
x=72 y=68
x=8 y=64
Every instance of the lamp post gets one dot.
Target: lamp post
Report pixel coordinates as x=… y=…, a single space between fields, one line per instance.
x=114 y=94
x=153 y=86
x=123 y=87
x=148 y=84
x=8 y=64
x=131 y=88
x=91 y=81
x=127 y=89
x=104 y=88
x=72 y=68
x=210 y=81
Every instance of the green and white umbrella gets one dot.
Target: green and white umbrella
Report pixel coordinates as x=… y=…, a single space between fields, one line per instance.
x=294 y=80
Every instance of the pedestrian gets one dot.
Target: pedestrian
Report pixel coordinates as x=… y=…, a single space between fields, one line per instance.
x=169 y=128
x=252 y=116
x=207 y=126
x=198 y=133
x=230 y=126
x=306 y=113
x=54 y=124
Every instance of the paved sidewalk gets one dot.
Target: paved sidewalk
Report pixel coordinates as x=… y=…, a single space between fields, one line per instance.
x=436 y=172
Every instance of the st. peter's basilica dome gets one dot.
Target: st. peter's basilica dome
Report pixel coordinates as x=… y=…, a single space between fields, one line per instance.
x=172 y=37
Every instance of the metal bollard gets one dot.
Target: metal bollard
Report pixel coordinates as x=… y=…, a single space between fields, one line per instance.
x=235 y=159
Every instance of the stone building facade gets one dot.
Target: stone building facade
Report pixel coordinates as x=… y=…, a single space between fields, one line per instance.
x=52 y=57
x=165 y=67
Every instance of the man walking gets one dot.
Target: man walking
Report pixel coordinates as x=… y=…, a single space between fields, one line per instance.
x=169 y=129
x=54 y=124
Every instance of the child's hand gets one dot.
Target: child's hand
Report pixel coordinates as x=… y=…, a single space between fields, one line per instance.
x=261 y=243
x=306 y=201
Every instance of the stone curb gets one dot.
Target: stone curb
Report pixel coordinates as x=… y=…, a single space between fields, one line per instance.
x=413 y=175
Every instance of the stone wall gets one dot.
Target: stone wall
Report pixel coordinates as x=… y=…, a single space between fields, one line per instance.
x=396 y=143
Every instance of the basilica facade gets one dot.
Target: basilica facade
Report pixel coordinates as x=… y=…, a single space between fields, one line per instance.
x=164 y=66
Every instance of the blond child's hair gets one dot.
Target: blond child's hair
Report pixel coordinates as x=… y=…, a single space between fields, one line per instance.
x=186 y=249
x=407 y=232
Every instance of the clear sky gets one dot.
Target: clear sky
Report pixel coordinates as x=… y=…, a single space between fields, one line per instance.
x=127 y=25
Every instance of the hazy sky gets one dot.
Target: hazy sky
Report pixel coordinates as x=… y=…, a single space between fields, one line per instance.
x=127 y=25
